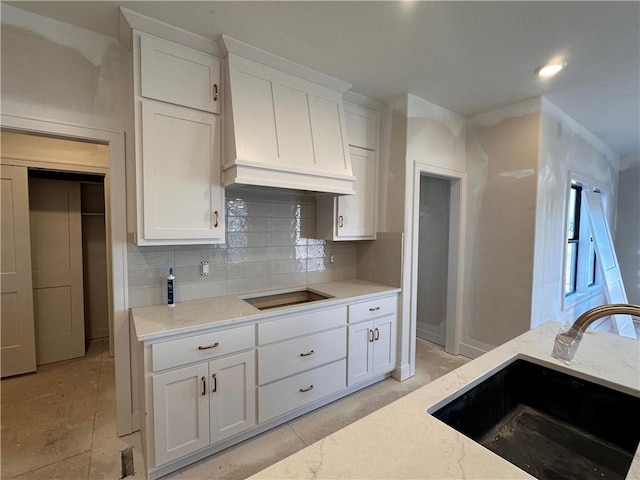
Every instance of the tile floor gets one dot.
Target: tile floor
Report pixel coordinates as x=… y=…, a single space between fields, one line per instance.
x=60 y=422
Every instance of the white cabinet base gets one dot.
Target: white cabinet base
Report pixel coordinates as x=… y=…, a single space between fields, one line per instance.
x=154 y=473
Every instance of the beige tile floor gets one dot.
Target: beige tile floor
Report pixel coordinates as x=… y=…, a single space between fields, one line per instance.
x=60 y=422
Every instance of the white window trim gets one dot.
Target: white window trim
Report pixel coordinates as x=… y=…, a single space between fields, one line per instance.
x=584 y=292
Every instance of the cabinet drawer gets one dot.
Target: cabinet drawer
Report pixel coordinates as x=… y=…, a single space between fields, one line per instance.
x=375 y=308
x=293 y=356
x=297 y=391
x=201 y=347
x=291 y=326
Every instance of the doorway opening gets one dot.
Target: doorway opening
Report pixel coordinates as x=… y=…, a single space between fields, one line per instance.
x=433 y=255
x=69 y=262
x=435 y=262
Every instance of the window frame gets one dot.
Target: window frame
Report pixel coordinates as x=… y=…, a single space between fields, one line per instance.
x=575 y=239
x=585 y=287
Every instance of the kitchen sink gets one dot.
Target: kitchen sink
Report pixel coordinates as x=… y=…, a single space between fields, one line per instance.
x=550 y=424
x=266 y=302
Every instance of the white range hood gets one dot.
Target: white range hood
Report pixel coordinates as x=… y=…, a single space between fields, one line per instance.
x=284 y=124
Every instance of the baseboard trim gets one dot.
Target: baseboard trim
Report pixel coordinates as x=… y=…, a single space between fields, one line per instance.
x=430 y=336
x=402 y=372
x=470 y=351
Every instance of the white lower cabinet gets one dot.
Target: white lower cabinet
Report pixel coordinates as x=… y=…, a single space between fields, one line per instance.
x=206 y=391
x=372 y=338
x=371 y=349
x=202 y=404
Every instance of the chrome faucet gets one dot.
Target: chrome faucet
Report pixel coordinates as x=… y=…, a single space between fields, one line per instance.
x=567 y=341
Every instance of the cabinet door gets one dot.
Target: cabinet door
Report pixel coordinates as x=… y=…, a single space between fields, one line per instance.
x=182 y=196
x=362 y=126
x=360 y=355
x=356 y=214
x=232 y=384
x=384 y=344
x=180 y=75
x=180 y=412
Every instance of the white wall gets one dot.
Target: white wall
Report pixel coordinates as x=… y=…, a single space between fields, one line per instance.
x=566 y=148
x=627 y=242
x=58 y=72
x=392 y=179
x=502 y=151
x=429 y=134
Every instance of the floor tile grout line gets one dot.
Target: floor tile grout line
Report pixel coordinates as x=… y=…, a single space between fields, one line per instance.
x=32 y=470
x=95 y=407
x=297 y=435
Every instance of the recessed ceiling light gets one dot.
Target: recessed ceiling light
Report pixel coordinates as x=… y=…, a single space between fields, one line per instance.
x=550 y=69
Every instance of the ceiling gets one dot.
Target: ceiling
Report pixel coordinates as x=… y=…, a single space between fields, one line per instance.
x=468 y=57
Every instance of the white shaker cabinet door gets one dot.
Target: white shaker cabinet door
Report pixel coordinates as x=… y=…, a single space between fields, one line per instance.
x=356 y=214
x=180 y=412
x=180 y=75
x=362 y=126
x=372 y=349
x=182 y=195
x=232 y=386
x=360 y=356
x=384 y=344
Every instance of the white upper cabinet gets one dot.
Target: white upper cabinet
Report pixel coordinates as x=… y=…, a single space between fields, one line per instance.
x=283 y=130
x=181 y=189
x=179 y=198
x=354 y=217
x=362 y=126
x=356 y=214
x=175 y=74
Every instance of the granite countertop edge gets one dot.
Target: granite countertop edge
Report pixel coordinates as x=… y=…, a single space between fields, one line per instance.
x=156 y=322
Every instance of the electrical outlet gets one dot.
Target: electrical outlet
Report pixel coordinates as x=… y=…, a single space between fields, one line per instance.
x=204 y=269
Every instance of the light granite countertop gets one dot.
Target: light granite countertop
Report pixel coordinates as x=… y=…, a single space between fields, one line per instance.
x=402 y=441
x=157 y=321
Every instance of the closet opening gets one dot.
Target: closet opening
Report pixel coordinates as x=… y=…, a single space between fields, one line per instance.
x=69 y=262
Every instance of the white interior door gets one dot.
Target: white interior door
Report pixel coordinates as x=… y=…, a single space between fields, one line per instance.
x=17 y=327
x=56 y=258
x=614 y=288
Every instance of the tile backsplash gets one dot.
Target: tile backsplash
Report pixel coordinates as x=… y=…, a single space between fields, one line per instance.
x=270 y=244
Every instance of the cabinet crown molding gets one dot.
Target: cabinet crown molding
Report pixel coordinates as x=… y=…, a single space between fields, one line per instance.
x=231 y=45
x=130 y=20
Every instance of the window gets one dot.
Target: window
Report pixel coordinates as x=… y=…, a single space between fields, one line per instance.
x=580 y=270
x=573 y=240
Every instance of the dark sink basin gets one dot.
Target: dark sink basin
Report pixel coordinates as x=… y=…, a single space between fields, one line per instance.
x=548 y=423
x=266 y=302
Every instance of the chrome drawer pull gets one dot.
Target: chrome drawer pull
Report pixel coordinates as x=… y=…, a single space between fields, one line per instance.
x=215 y=383
x=377 y=337
x=207 y=347
x=374 y=309
x=306 y=354
x=370 y=336
x=310 y=387
x=204 y=385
